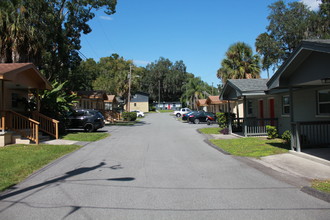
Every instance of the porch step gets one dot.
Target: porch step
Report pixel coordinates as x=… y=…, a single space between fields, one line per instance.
x=17 y=139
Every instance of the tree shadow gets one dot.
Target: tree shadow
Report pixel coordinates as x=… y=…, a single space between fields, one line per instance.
x=280 y=145
x=62 y=178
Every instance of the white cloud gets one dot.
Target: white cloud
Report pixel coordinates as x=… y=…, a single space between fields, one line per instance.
x=106 y=18
x=313 y=4
x=141 y=62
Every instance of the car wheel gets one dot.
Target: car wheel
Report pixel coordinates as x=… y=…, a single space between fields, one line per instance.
x=89 y=128
x=178 y=115
x=196 y=121
x=208 y=122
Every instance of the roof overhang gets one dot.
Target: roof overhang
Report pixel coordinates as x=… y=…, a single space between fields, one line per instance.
x=307 y=66
x=25 y=75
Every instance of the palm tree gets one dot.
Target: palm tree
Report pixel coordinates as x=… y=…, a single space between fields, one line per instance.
x=193 y=90
x=240 y=63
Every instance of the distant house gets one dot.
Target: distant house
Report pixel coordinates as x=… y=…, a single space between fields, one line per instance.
x=110 y=103
x=201 y=104
x=91 y=100
x=140 y=101
x=168 y=105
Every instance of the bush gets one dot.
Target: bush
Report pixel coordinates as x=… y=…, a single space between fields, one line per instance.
x=271 y=132
x=224 y=131
x=223 y=118
x=129 y=116
x=286 y=136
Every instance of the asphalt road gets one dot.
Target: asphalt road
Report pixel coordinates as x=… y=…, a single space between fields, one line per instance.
x=160 y=169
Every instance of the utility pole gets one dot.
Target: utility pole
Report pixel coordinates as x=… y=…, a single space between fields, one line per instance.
x=212 y=88
x=129 y=89
x=158 y=94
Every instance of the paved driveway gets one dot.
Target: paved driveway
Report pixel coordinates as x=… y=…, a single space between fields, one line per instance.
x=160 y=169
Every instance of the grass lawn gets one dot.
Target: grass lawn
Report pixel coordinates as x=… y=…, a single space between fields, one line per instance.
x=19 y=161
x=213 y=130
x=321 y=185
x=165 y=111
x=252 y=147
x=84 y=136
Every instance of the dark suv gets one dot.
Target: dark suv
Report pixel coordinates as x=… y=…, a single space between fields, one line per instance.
x=88 y=119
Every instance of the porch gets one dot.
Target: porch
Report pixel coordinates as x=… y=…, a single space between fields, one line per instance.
x=310 y=134
x=251 y=126
x=17 y=80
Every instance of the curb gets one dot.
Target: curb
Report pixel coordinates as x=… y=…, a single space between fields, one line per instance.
x=283 y=177
x=216 y=147
x=316 y=193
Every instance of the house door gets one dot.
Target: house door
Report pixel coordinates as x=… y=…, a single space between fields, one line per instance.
x=272 y=111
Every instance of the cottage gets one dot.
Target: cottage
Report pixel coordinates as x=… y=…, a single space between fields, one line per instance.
x=140 y=101
x=201 y=104
x=16 y=81
x=296 y=98
x=302 y=85
x=91 y=100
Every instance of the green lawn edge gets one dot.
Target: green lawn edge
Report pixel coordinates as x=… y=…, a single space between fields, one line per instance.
x=17 y=162
x=252 y=146
x=84 y=136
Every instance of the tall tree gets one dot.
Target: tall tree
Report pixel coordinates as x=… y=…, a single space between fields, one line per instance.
x=239 y=63
x=164 y=78
x=47 y=32
x=114 y=76
x=288 y=26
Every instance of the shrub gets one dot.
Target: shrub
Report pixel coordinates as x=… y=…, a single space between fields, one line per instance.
x=286 y=136
x=224 y=131
x=271 y=132
x=129 y=116
x=223 y=118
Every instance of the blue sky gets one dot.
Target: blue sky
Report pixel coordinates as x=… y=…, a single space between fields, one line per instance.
x=197 y=32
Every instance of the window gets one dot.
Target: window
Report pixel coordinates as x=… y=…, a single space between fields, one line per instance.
x=323 y=99
x=134 y=104
x=249 y=107
x=286 y=105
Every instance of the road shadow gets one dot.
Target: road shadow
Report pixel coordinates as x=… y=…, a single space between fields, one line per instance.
x=67 y=175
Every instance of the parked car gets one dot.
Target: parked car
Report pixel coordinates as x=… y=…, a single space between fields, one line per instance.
x=181 y=112
x=202 y=116
x=138 y=113
x=88 y=119
x=185 y=116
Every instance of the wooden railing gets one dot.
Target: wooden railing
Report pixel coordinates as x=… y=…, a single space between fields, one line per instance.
x=311 y=133
x=252 y=126
x=25 y=126
x=47 y=125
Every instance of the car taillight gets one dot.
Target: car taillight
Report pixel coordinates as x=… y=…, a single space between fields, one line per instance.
x=190 y=116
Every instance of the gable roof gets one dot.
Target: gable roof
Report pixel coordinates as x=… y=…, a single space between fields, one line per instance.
x=308 y=49
x=235 y=88
x=201 y=102
x=213 y=100
x=111 y=98
x=92 y=94
x=25 y=74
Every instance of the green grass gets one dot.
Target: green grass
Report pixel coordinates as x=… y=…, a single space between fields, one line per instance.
x=252 y=147
x=83 y=136
x=19 y=161
x=165 y=111
x=321 y=185
x=214 y=130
